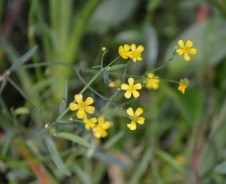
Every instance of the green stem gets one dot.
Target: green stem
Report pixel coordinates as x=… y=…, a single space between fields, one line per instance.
x=170 y=59
x=125 y=70
x=88 y=84
x=110 y=100
x=82 y=91
x=112 y=62
x=94 y=91
x=103 y=58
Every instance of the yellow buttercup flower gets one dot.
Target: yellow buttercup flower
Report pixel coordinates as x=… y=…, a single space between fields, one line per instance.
x=135 y=118
x=183 y=85
x=100 y=129
x=90 y=123
x=152 y=82
x=123 y=51
x=135 y=53
x=186 y=49
x=82 y=106
x=131 y=88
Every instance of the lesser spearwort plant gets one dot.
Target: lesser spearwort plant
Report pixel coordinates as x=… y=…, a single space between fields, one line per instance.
x=97 y=121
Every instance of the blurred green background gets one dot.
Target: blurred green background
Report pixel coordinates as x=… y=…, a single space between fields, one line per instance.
x=184 y=136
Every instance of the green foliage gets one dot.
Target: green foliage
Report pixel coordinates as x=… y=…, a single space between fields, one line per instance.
x=56 y=49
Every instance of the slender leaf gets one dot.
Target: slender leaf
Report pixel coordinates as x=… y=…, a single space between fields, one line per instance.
x=105 y=75
x=55 y=156
x=113 y=140
x=96 y=66
x=116 y=67
x=3 y=86
x=63 y=102
x=82 y=176
x=110 y=159
x=221 y=168
x=74 y=138
x=21 y=110
x=23 y=59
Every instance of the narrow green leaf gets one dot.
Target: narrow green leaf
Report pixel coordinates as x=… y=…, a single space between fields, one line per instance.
x=116 y=67
x=105 y=75
x=74 y=138
x=55 y=156
x=81 y=175
x=96 y=66
x=110 y=159
x=113 y=140
x=63 y=102
x=221 y=168
x=23 y=59
x=218 y=6
x=21 y=111
x=6 y=143
x=3 y=86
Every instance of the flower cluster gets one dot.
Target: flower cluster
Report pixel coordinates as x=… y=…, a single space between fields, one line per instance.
x=99 y=126
x=185 y=50
x=132 y=52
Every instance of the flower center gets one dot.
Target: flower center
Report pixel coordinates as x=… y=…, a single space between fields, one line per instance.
x=131 y=88
x=83 y=105
x=136 y=54
x=135 y=118
x=186 y=49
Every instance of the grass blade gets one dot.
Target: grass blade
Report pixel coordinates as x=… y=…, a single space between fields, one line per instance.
x=55 y=156
x=74 y=138
x=63 y=102
x=23 y=59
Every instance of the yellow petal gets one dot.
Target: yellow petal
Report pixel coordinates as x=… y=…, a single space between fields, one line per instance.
x=132 y=126
x=101 y=120
x=94 y=120
x=81 y=114
x=140 y=48
x=136 y=94
x=130 y=112
x=127 y=94
x=139 y=111
x=126 y=47
x=73 y=106
x=181 y=43
x=78 y=98
x=138 y=86
x=192 y=51
x=134 y=59
x=141 y=120
x=180 y=51
x=90 y=109
x=133 y=47
x=124 y=86
x=189 y=43
x=139 y=58
x=186 y=57
x=130 y=54
x=130 y=81
x=89 y=101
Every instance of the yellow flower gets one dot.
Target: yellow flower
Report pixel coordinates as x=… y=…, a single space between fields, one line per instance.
x=135 y=53
x=131 y=88
x=152 y=82
x=82 y=106
x=90 y=123
x=183 y=84
x=100 y=129
x=123 y=51
x=111 y=84
x=185 y=49
x=135 y=118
